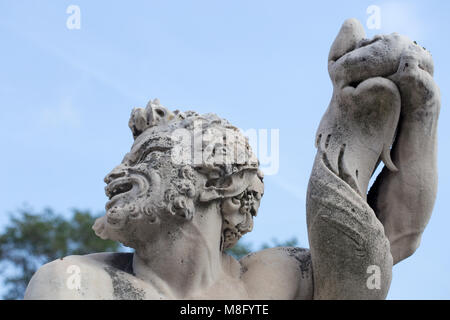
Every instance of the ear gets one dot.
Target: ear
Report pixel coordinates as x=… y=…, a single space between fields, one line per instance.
x=228 y=187
x=351 y=33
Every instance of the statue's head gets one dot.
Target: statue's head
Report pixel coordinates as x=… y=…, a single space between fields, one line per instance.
x=179 y=163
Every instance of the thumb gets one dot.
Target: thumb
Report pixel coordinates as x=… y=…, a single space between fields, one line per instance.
x=348 y=37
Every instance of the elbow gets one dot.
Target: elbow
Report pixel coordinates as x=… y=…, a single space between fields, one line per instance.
x=405 y=246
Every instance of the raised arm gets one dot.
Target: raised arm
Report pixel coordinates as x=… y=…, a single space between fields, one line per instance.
x=403 y=200
x=382 y=92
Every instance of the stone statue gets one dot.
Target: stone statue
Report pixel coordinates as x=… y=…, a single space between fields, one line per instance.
x=190 y=187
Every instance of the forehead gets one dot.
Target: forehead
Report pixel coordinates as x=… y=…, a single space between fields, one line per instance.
x=150 y=140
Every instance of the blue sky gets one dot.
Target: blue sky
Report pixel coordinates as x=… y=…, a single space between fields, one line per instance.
x=66 y=96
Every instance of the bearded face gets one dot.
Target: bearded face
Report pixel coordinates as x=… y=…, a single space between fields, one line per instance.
x=152 y=191
x=137 y=190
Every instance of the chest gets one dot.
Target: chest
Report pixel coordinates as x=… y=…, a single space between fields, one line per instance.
x=125 y=286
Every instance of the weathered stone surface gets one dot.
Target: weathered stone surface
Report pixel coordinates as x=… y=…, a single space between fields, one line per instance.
x=190 y=187
x=383 y=89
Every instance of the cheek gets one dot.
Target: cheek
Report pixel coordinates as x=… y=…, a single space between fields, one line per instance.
x=237 y=219
x=230 y=206
x=155 y=180
x=230 y=211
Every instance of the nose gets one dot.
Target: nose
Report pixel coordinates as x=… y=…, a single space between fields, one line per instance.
x=115 y=173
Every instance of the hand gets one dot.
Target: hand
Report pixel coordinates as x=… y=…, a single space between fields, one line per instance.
x=414 y=77
x=376 y=75
x=353 y=58
x=369 y=75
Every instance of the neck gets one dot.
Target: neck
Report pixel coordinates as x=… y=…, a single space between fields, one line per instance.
x=185 y=258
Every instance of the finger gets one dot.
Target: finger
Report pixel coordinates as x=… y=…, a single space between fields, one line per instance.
x=383 y=94
x=350 y=34
x=417 y=87
x=377 y=59
x=412 y=59
x=377 y=104
x=423 y=57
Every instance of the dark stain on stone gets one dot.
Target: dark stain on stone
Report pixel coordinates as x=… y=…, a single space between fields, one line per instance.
x=303 y=257
x=122 y=261
x=123 y=288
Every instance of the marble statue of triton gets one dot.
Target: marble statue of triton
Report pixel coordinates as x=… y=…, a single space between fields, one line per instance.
x=190 y=187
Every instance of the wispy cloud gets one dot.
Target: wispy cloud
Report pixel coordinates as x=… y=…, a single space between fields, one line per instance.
x=294 y=190
x=402 y=17
x=73 y=61
x=63 y=115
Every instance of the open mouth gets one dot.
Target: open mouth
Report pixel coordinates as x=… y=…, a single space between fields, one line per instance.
x=117 y=187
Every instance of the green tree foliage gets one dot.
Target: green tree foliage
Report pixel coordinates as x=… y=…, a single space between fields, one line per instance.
x=32 y=239
x=242 y=248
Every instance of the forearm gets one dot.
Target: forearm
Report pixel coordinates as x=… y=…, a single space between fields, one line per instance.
x=346 y=240
x=403 y=200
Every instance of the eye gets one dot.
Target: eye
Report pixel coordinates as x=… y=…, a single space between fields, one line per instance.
x=148 y=156
x=151 y=152
x=160 y=112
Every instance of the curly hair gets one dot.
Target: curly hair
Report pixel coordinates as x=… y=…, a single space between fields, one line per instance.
x=227 y=162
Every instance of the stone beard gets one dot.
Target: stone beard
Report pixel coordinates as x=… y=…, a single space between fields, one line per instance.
x=190 y=187
x=161 y=181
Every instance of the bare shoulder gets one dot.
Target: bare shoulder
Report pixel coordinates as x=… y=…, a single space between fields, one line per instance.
x=278 y=273
x=75 y=277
